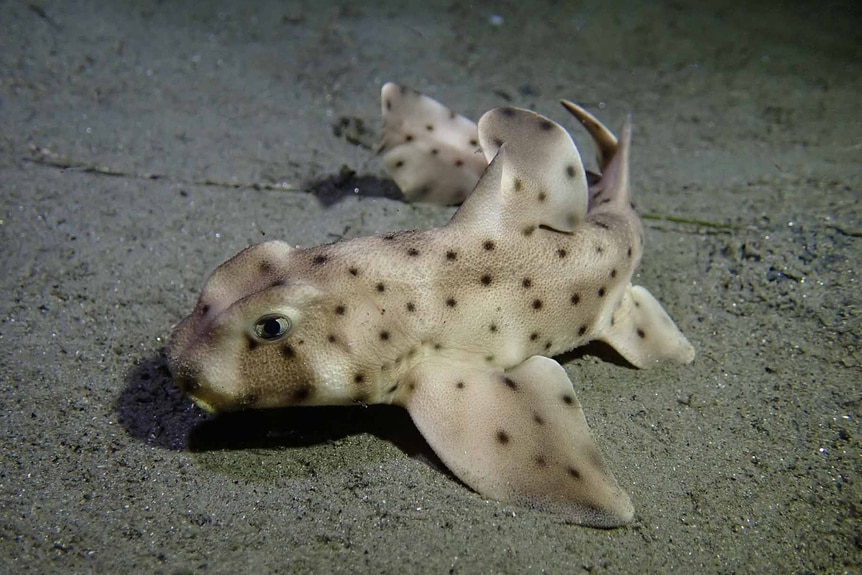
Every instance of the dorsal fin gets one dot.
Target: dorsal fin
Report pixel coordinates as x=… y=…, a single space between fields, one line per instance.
x=604 y=139
x=539 y=179
x=613 y=190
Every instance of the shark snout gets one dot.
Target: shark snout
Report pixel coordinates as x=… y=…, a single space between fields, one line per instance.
x=190 y=384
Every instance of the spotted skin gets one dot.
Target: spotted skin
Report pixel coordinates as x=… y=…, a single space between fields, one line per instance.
x=431 y=152
x=456 y=323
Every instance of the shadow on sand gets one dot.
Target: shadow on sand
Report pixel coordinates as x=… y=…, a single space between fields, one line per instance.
x=151 y=409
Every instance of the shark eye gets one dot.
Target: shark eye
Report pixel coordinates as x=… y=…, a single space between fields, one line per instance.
x=271 y=327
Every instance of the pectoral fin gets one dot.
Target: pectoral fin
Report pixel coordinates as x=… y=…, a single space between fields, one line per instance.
x=517 y=436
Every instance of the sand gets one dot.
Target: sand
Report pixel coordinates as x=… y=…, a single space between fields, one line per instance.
x=143 y=143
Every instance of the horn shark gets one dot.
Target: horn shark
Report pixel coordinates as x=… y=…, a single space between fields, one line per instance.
x=457 y=324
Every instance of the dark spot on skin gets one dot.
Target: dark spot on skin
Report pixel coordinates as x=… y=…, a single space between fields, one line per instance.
x=451 y=256
x=411 y=307
x=411 y=386
x=429 y=127
x=459 y=162
x=498 y=142
x=460 y=385
x=413 y=252
x=603 y=225
x=408 y=138
x=392 y=389
x=573 y=473
x=568 y=399
x=389 y=237
x=265 y=267
x=542 y=196
x=528 y=231
x=599 y=249
x=510 y=383
x=388 y=104
x=629 y=252
x=601 y=292
x=399 y=164
x=339 y=310
x=527 y=283
x=434 y=151
x=538 y=419
x=576 y=299
x=353 y=271
x=561 y=253
x=486 y=280
x=541 y=461
x=534 y=336
x=548 y=345
x=632 y=205
x=537 y=304
x=319 y=259
x=474 y=142
x=358 y=378
x=252 y=343
x=205 y=309
x=277 y=283
x=605 y=201
x=613 y=273
x=384 y=335
x=288 y=352
x=301 y=393
x=637 y=303
x=381 y=288
x=641 y=333
x=545 y=125
x=613 y=321
x=331 y=338
x=437 y=347
x=488 y=245
x=489 y=358
x=502 y=437
x=570 y=171
x=451 y=302
x=582 y=330
x=519 y=185
x=493 y=328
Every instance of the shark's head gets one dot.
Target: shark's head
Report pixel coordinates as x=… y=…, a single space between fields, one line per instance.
x=250 y=341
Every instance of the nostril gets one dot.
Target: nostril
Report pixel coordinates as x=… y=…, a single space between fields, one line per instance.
x=187 y=385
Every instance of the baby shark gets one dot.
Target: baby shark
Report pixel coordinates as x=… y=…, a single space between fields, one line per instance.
x=458 y=323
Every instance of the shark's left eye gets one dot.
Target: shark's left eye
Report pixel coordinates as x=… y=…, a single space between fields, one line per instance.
x=271 y=327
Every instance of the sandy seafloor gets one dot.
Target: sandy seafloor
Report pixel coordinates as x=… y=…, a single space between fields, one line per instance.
x=123 y=129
